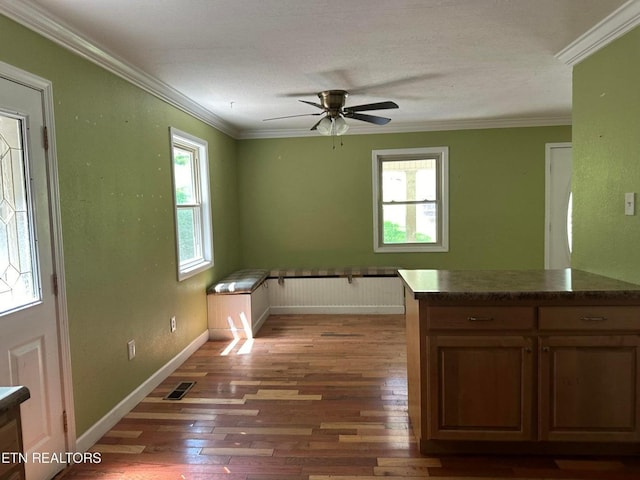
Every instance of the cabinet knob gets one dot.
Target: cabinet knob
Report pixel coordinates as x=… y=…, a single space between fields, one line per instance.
x=545 y=349
x=527 y=349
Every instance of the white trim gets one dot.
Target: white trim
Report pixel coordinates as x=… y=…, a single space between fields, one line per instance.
x=443 y=179
x=338 y=310
x=42 y=22
x=257 y=325
x=614 y=26
x=363 y=129
x=547 y=195
x=102 y=426
x=45 y=87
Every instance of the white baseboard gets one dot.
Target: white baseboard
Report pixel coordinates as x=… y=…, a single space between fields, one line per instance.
x=261 y=320
x=102 y=426
x=338 y=310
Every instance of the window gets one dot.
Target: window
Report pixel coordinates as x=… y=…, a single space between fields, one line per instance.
x=192 y=204
x=19 y=268
x=410 y=200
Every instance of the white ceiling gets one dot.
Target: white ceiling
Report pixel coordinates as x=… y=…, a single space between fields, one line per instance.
x=442 y=61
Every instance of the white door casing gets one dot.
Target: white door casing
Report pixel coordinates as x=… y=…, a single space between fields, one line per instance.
x=558 y=170
x=34 y=344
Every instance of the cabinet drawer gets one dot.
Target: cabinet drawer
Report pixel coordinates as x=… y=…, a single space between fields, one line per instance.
x=590 y=318
x=480 y=318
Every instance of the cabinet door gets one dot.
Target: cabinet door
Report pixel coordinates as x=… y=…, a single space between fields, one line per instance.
x=480 y=387
x=589 y=388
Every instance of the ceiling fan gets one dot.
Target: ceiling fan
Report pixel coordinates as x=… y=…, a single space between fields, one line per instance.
x=334 y=111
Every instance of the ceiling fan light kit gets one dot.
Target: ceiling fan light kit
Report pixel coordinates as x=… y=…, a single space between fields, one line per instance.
x=332 y=126
x=332 y=105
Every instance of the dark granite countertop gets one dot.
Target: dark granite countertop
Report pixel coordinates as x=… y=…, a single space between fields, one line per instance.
x=12 y=396
x=498 y=285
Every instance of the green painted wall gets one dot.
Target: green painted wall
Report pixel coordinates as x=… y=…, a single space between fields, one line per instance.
x=606 y=159
x=304 y=204
x=293 y=202
x=117 y=221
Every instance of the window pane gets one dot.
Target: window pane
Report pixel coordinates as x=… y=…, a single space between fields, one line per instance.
x=189 y=234
x=410 y=223
x=184 y=174
x=408 y=180
x=192 y=204
x=18 y=268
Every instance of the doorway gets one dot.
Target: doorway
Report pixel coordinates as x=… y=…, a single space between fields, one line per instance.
x=34 y=346
x=558 y=205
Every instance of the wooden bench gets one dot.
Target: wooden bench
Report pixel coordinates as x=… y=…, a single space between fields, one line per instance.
x=350 y=290
x=238 y=305
x=348 y=273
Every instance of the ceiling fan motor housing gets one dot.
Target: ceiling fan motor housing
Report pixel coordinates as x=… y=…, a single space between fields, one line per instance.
x=332 y=105
x=333 y=101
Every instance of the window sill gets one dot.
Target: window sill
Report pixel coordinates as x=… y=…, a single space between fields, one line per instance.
x=192 y=270
x=411 y=248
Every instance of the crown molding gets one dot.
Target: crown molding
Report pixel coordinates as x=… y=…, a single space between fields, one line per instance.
x=40 y=21
x=621 y=21
x=37 y=19
x=477 y=124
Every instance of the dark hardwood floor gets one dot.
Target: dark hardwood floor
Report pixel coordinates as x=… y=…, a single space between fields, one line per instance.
x=313 y=398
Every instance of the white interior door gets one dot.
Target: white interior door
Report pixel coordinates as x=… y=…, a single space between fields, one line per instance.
x=558 y=205
x=29 y=344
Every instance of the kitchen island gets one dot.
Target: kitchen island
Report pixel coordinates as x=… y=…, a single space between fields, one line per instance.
x=544 y=361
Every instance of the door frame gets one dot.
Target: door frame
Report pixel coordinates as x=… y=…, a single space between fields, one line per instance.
x=45 y=88
x=547 y=194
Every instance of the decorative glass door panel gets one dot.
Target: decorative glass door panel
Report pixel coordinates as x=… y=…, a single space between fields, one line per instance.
x=19 y=282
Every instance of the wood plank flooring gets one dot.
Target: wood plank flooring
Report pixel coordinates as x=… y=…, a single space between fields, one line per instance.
x=312 y=398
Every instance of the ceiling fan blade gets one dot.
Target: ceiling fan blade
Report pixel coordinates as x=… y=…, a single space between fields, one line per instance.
x=368 y=118
x=312 y=103
x=316 y=125
x=371 y=106
x=292 y=116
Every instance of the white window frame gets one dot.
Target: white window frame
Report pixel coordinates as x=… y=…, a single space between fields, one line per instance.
x=184 y=140
x=441 y=155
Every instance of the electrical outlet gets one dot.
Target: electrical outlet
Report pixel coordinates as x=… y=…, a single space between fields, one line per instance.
x=131 y=348
x=173 y=324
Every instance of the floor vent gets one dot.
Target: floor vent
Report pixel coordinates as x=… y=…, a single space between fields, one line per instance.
x=180 y=391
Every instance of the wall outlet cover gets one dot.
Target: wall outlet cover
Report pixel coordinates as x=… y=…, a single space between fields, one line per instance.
x=629 y=203
x=131 y=348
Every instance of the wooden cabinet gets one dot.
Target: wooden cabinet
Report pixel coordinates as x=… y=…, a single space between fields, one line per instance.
x=544 y=361
x=589 y=388
x=480 y=372
x=590 y=319
x=480 y=387
x=11 y=467
x=527 y=374
x=589 y=374
x=480 y=318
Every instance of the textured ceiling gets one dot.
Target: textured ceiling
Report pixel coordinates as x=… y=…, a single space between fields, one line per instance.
x=440 y=60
